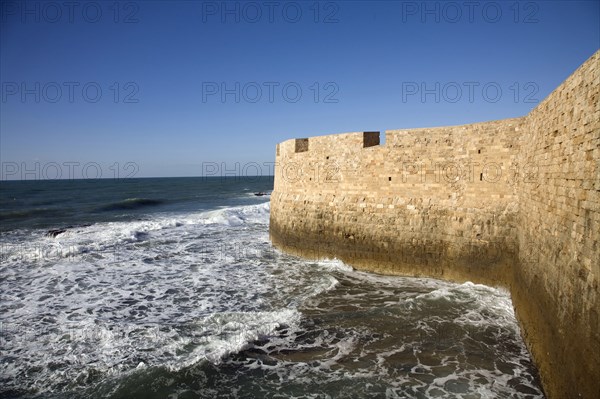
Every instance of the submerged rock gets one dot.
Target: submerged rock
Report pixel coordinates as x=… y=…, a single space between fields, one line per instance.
x=54 y=232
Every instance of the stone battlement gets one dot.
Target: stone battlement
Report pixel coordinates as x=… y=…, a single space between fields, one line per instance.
x=514 y=202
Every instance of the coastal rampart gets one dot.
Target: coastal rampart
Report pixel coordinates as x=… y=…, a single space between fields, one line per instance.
x=514 y=202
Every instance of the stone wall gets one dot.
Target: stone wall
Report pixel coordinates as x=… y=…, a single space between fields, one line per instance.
x=514 y=202
x=559 y=233
x=414 y=205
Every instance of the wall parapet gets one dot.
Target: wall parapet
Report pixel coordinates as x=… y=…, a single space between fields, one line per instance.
x=513 y=202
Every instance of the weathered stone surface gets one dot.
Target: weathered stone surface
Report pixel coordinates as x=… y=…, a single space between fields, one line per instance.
x=514 y=202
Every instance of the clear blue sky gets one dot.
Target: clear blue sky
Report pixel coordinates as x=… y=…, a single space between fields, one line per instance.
x=162 y=66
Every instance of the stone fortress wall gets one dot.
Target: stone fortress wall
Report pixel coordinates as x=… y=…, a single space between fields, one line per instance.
x=514 y=202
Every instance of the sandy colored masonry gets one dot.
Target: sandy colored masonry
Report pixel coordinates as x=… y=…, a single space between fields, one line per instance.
x=514 y=202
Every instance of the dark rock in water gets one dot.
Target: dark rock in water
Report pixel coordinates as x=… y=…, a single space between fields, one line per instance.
x=54 y=232
x=260 y=194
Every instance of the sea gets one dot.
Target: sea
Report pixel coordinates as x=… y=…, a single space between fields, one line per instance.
x=170 y=288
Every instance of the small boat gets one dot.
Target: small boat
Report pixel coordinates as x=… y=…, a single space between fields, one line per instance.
x=260 y=194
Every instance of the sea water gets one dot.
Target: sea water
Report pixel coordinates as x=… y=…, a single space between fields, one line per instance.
x=170 y=288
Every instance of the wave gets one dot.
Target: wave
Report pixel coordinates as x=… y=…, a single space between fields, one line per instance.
x=25 y=214
x=235 y=216
x=483 y=305
x=222 y=334
x=334 y=265
x=131 y=204
x=101 y=238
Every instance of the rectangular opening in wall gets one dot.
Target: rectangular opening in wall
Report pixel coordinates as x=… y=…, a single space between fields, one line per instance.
x=370 y=139
x=301 y=145
x=277 y=151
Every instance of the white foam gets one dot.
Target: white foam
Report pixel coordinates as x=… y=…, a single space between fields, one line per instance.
x=334 y=265
x=236 y=216
x=227 y=333
x=179 y=289
x=126 y=293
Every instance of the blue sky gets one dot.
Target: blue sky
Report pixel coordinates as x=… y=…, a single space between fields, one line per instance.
x=159 y=88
